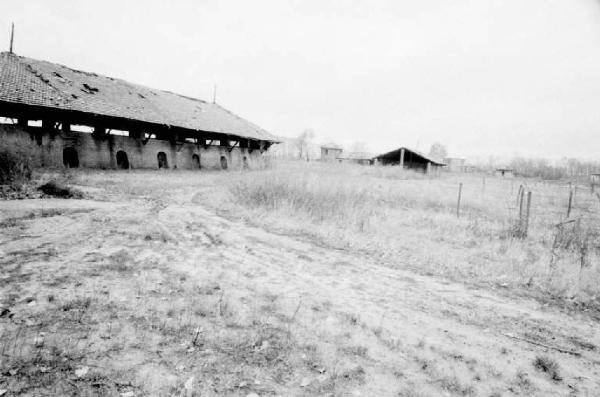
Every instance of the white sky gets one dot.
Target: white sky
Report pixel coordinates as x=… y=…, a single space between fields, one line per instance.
x=482 y=77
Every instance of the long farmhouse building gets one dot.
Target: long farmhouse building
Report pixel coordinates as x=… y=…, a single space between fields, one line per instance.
x=79 y=119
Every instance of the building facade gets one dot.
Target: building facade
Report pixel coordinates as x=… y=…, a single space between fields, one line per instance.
x=409 y=159
x=455 y=164
x=64 y=117
x=330 y=153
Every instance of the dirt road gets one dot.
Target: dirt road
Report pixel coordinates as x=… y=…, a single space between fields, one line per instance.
x=376 y=329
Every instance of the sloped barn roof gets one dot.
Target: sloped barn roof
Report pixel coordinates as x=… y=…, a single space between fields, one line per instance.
x=28 y=81
x=395 y=155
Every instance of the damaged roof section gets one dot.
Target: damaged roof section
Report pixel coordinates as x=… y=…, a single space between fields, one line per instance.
x=27 y=81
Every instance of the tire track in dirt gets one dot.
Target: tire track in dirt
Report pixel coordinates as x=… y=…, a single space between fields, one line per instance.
x=410 y=307
x=408 y=321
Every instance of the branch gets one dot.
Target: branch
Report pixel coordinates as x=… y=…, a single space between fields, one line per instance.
x=559 y=349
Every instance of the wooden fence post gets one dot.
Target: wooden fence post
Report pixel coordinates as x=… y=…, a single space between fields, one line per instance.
x=570 y=204
x=520 y=201
x=458 y=202
x=526 y=226
x=520 y=194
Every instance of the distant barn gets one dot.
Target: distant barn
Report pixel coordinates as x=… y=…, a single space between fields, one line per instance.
x=74 y=118
x=455 y=164
x=409 y=159
x=505 y=172
x=361 y=158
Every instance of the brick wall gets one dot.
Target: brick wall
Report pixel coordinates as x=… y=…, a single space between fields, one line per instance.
x=47 y=150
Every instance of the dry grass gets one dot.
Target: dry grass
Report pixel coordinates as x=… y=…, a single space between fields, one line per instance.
x=410 y=220
x=15 y=170
x=48 y=342
x=119 y=318
x=160 y=298
x=548 y=366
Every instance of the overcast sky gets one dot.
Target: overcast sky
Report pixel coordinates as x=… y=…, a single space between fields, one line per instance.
x=482 y=77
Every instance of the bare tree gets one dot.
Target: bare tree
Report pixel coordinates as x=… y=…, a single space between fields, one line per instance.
x=303 y=141
x=359 y=147
x=438 y=151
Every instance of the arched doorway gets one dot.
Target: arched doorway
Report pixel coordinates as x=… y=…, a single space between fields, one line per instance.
x=195 y=161
x=122 y=160
x=70 y=157
x=223 y=162
x=162 y=160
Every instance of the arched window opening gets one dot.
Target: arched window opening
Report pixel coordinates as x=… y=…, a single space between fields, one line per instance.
x=245 y=162
x=196 y=161
x=162 y=160
x=223 y=162
x=70 y=157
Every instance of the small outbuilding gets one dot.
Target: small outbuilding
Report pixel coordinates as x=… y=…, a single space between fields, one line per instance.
x=330 y=152
x=455 y=164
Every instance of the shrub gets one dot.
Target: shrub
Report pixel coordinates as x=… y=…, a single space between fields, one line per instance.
x=15 y=168
x=549 y=366
x=57 y=189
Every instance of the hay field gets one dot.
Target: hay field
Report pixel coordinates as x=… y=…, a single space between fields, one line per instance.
x=411 y=220
x=299 y=280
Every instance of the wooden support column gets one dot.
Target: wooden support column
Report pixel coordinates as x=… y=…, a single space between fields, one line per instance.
x=99 y=130
x=47 y=125
x=135 y=133
x=402 y=157
x=428 y=167
x=66 y=127
x=230 y=148
x=22 y=122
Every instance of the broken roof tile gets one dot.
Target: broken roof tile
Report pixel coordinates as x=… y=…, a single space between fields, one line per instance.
x=110 y=97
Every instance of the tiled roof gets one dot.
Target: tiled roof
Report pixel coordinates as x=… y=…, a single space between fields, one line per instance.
x=32 y=82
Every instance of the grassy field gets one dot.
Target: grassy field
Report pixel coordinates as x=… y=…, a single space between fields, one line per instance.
x=411 y=220
x=302 y=279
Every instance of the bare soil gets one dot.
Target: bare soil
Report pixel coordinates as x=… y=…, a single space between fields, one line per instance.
x=162 y=295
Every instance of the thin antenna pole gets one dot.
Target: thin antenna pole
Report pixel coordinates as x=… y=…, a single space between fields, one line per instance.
x=215 y=94
x=12 y=36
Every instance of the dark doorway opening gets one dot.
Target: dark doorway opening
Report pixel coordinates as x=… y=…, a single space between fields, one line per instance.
x=162 y=160
x=245 y=162
x=223 y=162
x=195 y=161
x=70 y=157
x=122 y=160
